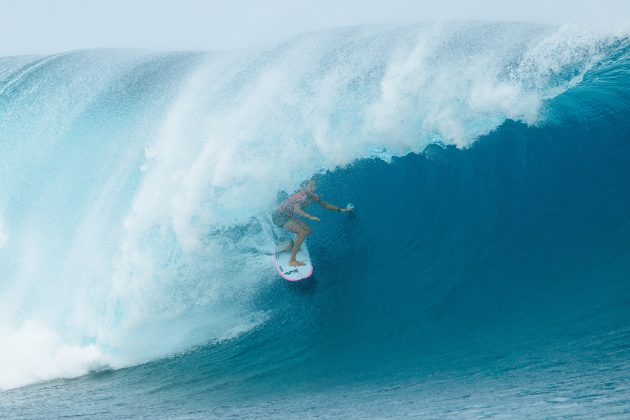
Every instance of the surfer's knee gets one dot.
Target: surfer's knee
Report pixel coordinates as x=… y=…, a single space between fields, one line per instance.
x=307 y=231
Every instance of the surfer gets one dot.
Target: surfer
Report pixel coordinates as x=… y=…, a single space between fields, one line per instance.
x=285 y=215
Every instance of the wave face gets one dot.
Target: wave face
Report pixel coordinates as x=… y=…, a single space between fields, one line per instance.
x=488 y=164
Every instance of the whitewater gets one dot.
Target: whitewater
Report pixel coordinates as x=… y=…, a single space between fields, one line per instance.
x=486 y=270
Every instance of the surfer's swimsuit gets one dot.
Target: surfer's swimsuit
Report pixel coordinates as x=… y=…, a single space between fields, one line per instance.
x=285 y=211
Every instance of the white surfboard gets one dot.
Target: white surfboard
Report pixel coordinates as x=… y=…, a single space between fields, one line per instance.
x=287 y=272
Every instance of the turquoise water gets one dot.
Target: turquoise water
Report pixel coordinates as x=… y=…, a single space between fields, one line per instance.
x=484 y=272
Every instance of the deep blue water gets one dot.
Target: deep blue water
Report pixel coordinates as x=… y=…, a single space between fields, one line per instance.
x=485 y=271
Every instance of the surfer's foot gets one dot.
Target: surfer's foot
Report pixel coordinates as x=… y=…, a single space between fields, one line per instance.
x=295 y=263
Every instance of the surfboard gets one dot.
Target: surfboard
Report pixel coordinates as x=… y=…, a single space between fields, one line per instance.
x=281 y=261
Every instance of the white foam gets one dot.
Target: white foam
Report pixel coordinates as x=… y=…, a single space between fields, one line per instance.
x=3 y=233
x=33 y=353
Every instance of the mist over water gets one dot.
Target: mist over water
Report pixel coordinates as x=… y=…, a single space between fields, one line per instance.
x=138 y=186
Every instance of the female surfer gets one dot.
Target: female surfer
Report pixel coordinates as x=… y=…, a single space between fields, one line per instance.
x=285 y=215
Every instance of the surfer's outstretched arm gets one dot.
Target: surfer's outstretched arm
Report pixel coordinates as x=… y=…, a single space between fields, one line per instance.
x=331 y=207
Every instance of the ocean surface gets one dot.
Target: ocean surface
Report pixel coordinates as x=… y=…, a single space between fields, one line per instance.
x=485 y=271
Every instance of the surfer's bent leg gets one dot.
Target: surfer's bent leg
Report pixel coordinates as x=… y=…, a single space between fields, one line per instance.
x=302 y=231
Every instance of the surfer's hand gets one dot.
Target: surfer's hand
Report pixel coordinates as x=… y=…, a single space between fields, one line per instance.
x=314 y=219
